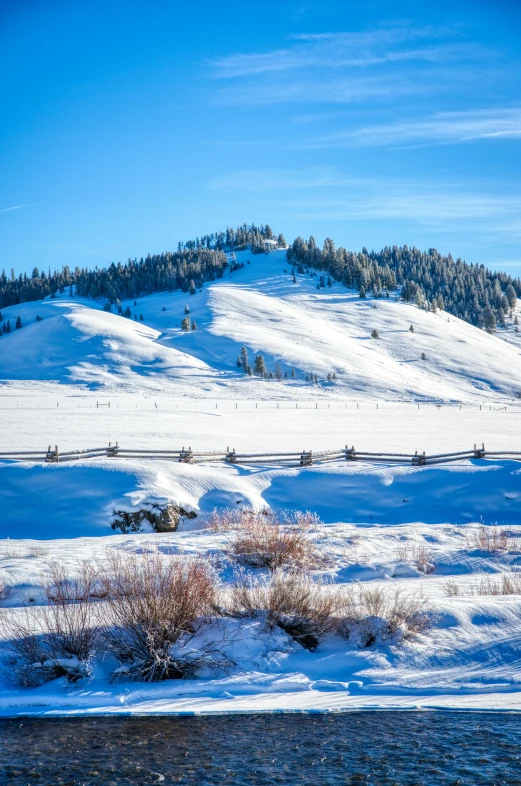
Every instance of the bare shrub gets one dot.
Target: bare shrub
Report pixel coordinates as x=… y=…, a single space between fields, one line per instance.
x=229 y=519
x=423 y=558
x=276 y=540
x=40 y=552
x=379 y=615
x=418 y=553
x=305 y=608
x=57 y=639
x=507 y=584
x=492 y=540
x=155 y=606
x=451 y=588
x=5 y=590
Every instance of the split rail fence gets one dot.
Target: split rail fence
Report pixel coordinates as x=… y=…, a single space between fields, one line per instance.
x=304 y=458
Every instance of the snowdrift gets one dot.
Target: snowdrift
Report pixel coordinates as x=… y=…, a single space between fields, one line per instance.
x=71 y=500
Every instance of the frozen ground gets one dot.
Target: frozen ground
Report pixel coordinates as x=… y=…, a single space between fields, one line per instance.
x=169 y=389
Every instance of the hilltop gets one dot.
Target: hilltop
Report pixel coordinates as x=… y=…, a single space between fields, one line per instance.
x=309 y=331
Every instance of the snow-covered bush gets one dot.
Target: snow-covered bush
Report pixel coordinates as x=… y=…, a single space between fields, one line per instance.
x=380 y=615
x=163 y=518
x=304 y=607
x=57 y=639
x=155 y=606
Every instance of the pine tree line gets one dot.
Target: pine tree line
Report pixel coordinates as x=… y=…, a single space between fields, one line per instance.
x=471 y=292
x=195 y=262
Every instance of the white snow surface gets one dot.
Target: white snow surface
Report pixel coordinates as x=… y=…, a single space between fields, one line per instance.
x=169 y=389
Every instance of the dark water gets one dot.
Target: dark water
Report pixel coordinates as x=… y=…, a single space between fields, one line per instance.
x=353 y=748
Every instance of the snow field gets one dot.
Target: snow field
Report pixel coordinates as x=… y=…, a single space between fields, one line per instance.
x=32 y=421
x=469 y=660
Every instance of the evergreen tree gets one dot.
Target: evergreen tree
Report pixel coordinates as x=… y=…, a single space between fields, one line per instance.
x=260 y=366
x=8 y=327
x=411 y=328
x=293 y=374
x=128 y=313
x=18 y=323
x=192 y=287
x=510 y=294
x=185 y=324
x=194 y=325
x=375 y=333
x=278 y=371
x=244 y=360
x=489 y=320
x=141 y=318
x=187 y=309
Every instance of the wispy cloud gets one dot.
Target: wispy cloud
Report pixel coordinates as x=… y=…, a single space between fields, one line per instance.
x=258 y=181
x=443 y=206
x=442 y=128
x=343 y=67
x=338 y=50
x=13 y=207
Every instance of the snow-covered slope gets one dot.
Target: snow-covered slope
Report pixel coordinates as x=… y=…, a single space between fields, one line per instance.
x=306 y=329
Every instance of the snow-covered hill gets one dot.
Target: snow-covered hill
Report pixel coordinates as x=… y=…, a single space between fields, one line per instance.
x=310 y=330
x=168 y=387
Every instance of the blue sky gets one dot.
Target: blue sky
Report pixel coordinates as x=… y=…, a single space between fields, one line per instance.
x=127 y=126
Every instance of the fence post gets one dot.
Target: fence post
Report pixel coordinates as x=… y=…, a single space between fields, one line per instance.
x=306 y=458
x=185 y=456
x=479 y=452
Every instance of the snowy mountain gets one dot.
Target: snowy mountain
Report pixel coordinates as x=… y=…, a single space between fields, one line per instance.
x=313 y=331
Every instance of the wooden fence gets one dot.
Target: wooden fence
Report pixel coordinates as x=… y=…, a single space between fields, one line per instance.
x=304 y=458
